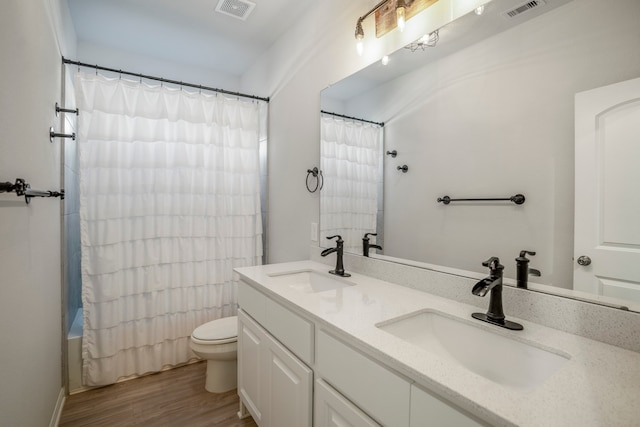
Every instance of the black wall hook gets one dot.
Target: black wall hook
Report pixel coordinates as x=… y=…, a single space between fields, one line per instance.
x=53 y=134
x=22 y=188
x=65 y=110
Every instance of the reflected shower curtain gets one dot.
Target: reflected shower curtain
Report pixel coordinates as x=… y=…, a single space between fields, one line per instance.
x=350 y=166
x=169 y=205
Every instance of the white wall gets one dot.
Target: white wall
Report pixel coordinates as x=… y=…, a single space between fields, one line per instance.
x=30 y=246
x=93 y=53
x=494 y=120
x=317 y=51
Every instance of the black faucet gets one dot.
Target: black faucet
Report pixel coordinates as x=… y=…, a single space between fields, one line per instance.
x=493 y=283
x=339 y=271
x=523 y=271
x=366 y=245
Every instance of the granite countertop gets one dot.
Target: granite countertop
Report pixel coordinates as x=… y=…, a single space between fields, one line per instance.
x=598 y=386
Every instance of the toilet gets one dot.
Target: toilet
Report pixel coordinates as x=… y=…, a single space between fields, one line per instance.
x=216 y=342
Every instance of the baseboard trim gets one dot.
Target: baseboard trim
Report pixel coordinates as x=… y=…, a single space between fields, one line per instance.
x=57 y=412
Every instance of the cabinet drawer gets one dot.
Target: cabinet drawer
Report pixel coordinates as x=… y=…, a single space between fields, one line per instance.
x=331 y=409
x=252 y=302
x=428 y=410
x=377 y=391
x=291 y=330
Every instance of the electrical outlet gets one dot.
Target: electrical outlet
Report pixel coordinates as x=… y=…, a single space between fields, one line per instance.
x=314 y=231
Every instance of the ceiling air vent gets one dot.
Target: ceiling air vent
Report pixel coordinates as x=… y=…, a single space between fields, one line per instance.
x=237 y=8
x=523 y=8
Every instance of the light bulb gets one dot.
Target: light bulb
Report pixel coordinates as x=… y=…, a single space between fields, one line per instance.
x=360 y=47
x=385 y=60
x=400 y=13
x=479 y=10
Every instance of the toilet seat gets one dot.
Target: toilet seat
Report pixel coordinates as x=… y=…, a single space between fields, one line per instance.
x=219 y=331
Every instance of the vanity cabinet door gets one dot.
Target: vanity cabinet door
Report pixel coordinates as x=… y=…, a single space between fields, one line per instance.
x=331 y=409
x=288 y=388
x=251 y=348
x=428 y=410
x=273 y=384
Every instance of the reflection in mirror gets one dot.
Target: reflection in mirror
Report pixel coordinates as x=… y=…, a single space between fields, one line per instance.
x=489 y=112
x=351 y=166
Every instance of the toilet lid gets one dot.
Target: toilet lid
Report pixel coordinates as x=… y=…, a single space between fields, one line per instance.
x=219 y=329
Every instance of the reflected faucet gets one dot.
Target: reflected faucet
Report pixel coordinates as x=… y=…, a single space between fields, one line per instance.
x=493 y=284
x=523 y=271
x=339 y=250
x=366 y=245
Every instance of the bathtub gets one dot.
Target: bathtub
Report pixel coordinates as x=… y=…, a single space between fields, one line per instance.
x=74 y=354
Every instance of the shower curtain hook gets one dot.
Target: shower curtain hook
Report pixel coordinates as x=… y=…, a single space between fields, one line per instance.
x=140 y=78
x=96 y=69
x=120 y=78
x=200 y=90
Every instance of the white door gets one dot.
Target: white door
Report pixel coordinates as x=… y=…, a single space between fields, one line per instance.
x=251 y=349
x=607 y=186
x=288 y=384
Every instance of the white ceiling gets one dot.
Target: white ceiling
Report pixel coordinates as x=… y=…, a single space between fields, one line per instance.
x=186 y=31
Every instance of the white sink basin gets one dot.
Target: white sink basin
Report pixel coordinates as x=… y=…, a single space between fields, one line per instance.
x=310 y=281
x=492 y=355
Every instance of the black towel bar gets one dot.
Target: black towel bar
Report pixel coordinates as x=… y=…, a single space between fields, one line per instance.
x=518 y=199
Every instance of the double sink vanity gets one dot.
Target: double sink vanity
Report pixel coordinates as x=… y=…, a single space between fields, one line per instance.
x=319 y=349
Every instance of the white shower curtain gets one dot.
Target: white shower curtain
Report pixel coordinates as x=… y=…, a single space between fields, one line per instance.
x=169 y=205
x=350 y=167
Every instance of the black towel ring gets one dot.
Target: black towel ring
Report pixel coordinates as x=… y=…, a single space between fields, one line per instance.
x=319 y=179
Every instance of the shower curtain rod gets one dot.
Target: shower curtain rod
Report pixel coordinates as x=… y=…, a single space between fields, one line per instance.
x=162 y=80
x=381 y=124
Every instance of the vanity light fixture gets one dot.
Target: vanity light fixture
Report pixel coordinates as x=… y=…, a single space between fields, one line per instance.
x=479 y=10
x=401 y=9
x=389 y=14
x=360 y=32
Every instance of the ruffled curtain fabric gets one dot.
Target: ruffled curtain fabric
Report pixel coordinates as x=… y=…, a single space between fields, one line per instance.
x=351 y=169
x=169 y=205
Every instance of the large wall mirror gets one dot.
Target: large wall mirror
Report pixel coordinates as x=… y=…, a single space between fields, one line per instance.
x=486 y=108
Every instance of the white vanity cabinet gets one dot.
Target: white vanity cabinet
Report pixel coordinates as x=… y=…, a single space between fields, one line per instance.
x=274 y=385
x=280 y=352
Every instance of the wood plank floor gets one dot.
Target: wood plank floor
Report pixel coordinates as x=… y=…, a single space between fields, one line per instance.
x=171 y=398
